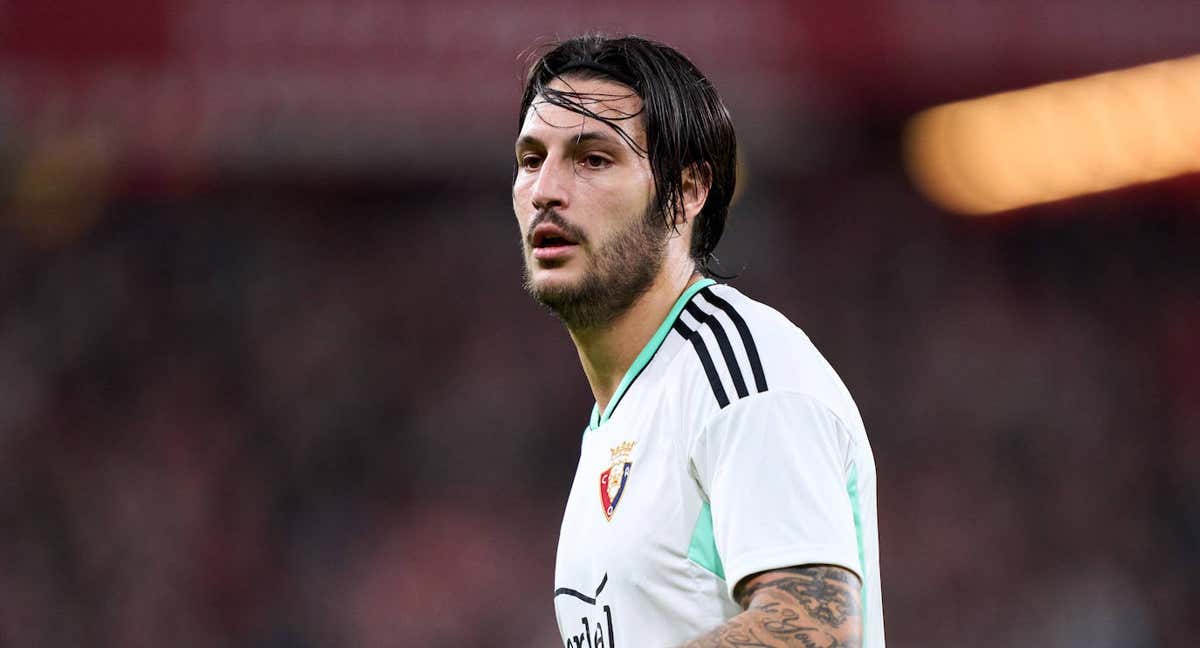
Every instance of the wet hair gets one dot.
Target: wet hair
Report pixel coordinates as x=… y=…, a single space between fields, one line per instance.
x=687 y=126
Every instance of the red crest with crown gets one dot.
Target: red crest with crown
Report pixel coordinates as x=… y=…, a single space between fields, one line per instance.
x=614 y=478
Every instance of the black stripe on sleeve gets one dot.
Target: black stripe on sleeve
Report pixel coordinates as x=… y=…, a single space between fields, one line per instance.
x=714 y=380
x=735 y=370
x=760 y=379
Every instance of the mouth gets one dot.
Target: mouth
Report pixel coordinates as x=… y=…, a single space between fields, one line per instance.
x=547 y=235
x=551 y=242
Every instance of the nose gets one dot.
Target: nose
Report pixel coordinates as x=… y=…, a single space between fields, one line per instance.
x=552 y=186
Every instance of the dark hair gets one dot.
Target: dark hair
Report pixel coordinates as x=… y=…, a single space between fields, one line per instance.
x=687 y=125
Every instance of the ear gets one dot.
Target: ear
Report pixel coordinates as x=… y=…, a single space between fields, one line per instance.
x=697 y=179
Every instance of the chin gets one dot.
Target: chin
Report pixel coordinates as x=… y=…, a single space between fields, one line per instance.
x=545 y=281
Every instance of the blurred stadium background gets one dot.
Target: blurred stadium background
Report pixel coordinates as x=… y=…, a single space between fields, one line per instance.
x=268 y=378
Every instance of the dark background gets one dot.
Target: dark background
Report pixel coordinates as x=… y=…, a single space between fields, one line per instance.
x=268 y=377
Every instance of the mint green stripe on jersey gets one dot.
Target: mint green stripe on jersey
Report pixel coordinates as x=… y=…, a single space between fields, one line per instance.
x=648 y=351
x=852 y=491
x=703 y=548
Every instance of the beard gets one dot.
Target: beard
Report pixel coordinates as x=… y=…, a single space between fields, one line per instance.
x=617 y=273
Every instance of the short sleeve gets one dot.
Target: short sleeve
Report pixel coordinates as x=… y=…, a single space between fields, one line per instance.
x=774 y=467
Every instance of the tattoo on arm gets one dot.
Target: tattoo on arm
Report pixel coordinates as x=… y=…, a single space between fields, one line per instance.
x=731 y=635
x=815 y=606
x=828 y=594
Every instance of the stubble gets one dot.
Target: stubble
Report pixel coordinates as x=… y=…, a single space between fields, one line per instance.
x=618 y=273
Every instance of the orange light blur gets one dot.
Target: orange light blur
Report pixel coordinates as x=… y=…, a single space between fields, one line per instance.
x=1059 y=140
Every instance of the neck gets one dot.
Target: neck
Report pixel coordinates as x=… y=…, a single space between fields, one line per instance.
x=607 y=352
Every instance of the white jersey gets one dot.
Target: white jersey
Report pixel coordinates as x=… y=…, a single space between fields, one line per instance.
x=730 y=447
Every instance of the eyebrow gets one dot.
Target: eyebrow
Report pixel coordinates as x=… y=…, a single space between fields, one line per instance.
x=529 y=141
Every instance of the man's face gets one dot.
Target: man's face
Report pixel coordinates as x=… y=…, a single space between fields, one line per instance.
x=583 y=199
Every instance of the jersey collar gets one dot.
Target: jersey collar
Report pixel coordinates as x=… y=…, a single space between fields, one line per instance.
x=647 y=354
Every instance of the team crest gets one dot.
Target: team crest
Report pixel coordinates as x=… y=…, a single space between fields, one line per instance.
x=612 y=480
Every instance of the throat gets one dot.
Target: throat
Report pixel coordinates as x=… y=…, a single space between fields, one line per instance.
x=609 y=353
x=605 y=369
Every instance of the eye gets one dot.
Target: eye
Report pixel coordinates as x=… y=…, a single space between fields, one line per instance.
x=530 y=162
x=596 y=161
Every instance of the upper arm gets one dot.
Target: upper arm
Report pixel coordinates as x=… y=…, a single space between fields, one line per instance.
x=774 y=467
x=817 y=605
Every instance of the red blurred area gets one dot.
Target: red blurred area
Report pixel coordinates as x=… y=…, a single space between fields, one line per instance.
x=76 y=36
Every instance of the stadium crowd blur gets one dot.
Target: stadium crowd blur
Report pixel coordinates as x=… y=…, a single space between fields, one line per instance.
x=272 y=404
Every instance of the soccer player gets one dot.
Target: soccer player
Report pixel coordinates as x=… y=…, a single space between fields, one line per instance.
x=725 y=494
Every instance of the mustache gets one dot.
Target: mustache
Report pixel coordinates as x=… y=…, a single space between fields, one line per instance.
x=554 y=218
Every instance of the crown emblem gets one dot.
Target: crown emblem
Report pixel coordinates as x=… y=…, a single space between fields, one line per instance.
x=622 y=452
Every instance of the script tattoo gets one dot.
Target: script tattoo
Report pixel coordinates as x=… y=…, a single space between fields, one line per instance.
x=816 y=606
x=730 y=635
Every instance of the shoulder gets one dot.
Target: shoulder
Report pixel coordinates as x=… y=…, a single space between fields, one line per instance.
x=737 y=347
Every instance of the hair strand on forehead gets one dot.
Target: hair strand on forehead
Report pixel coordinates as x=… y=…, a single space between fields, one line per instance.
x=578 y=102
